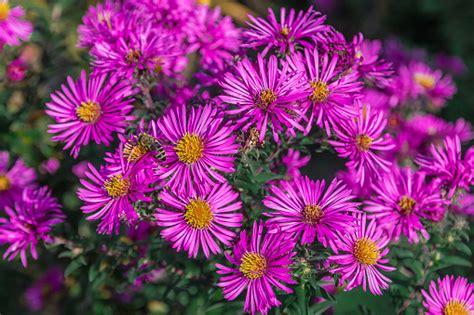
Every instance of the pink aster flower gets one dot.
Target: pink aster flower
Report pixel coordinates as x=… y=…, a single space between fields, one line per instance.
x=89 y=109
x=445 y=163
x=109 y=195
x=294 y=162
x=364 y=249
x=16 y=70
x=264 y=94
x=332 y=96
x=261 y=262
x=199 y=219
x=303 y=208
x=45 y=288
x=199 y=145
x=448 y=296
x=359 y=139
x=12 y=27
x=29 y=221
x=464 y=205
x=292 y=29
x=401 y=198
x=14 y=180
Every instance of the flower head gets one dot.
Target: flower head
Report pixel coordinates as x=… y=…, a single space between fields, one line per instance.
x=198 y=146
x=302 y=207
x=264 y=94
x=260 y=263
x=363 y=250
x=16 y=70
x=13 y=28
x=196 y=220
x=293 y=161
x=401 y=198
x=449 y=296
x=13 y=180
x=89 y=109
x=45 y=288
x=292 y=30
x=28 y=222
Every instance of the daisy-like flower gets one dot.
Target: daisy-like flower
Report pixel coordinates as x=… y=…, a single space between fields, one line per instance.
x=109 y=195
x=293 y=161
x=89 y=109
x=401 y=198
x=302 y=208
x=451 y=296
x=363 y=249
x=359 y=139
x=13 y=180
x=13 y=28
x=260 y=263
x=198 y=146
x=332 y=96
x=197 y=219
x=292 y=29
x=29 y=221
x=264 y=94
x=446 y=165
x=215 y=36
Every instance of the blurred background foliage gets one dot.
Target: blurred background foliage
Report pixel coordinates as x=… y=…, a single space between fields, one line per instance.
x=433 y=25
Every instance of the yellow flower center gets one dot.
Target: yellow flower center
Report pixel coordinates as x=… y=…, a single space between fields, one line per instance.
x=266 y=98
x=253 y=265
x=88 y=112
x=366 y=251
x=285 y=31
x=363 y=142
x=117 y=186
x=4 y=183
x=134 y=152
x=320 y=91
x=455 y=307
x=427 y=81
x=133 y=56
x=4 y=11
x=406 y=205
x=190 y=148
x=312 y=214
x=158 y=65
x=198 y=214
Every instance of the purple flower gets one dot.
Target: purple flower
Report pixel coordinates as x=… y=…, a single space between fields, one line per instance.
x=445 y=164
x=302 y=208
x=261 y=262
x=199 y=145
x=12 y=27
x=264 y=94
x=332 y=96
x=198 y=218
x=464 y=205
x=29 y=221
x=294 y=162
x=14 y=180
x=363 y=250
x=50 y=166
x=91 y=109
x=450 y=296
x=109 y=195
x=453 y=64
x=16 y=70
x=292 y=30
x=359 y=139
x=401 y=198
x=45 y=288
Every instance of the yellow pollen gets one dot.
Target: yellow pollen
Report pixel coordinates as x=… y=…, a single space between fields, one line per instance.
x=253 y=265
x=312 y=214
x=88 y=112
x=406 y=205
x=285 y=31
x=198 y=214
x=4 y=11
x=427 y=81
x=454 y=307
x=4 y=183
x=190 y=148
x=366 y=251
x=158 y=65
x=363 y=142
x=320 y=91
x=133 y=56
x=134 y=152
x=266 y=98
x=117 y=186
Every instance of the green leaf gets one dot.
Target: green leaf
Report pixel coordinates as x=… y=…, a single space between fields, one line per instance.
x=73 y=266
x=321 y=307
x=301 y=298
x=460 y=246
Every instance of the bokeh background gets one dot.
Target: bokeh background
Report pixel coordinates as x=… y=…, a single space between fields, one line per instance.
x=433 y=26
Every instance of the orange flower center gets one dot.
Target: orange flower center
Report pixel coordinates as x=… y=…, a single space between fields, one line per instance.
x=253 y=265
x=427 y=81
x=198 y=214
x=454 y=307
x=4 y=11
x=366 y=251
x=406 y=205
x=190 y=148
x=320 y=91
x=266 y=98
x=88 y=112
x=5 y=183
x=363 y=142
x=133 y=56
x=117 y=186
x=312 y=214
